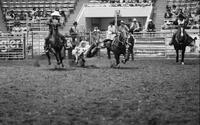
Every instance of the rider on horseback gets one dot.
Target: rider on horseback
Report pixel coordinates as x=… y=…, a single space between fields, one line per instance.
x=123 y=31
x=55 y=19
x=181 y=21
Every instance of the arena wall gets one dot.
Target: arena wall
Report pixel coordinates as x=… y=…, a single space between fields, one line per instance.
x=94 y=12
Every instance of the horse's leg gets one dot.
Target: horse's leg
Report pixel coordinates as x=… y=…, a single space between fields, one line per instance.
x=61 y=56
x=117 y=58
x=48 y=56
x=132 y=54
x=126 y=57
x=57 y=58
x=108 y=53
x=182 y=56
x=177 y=55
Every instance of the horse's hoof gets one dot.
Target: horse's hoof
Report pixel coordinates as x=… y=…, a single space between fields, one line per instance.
x=182 y=63
x=118 y=66
x=123 y=61
x=112 y=66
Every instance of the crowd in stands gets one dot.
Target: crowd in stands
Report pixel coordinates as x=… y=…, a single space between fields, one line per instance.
x=34 y=16
x=124 y=3
x=190 y=16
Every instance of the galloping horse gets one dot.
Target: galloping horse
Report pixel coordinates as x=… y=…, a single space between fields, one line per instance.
x=118 y=47
x=180 y=40
x=56 y=45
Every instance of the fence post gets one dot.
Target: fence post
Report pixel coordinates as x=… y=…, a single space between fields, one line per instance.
x=24 y=45
x=32 y=43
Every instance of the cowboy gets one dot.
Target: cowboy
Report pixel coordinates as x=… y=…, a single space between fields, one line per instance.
x=123 y=30
x=134 y=27
x=55 y=19
x=181 y=21
x=74 y=33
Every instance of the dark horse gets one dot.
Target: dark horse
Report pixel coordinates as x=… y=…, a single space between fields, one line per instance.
x=118 y=47
x=56 y=45
x=180 y=40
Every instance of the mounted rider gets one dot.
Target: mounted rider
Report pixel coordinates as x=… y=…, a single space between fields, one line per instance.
x=123 y=30
x=55 y=19
x=181 y=22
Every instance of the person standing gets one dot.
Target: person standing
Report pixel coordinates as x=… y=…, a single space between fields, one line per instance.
x=151 y=26
x=134 y=27
x=74 y=34
x=111 y=32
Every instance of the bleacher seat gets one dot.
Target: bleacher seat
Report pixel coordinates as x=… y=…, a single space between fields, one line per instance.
x=27 y=5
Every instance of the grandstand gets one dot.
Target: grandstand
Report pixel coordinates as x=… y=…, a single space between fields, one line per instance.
x=32 y=16
x=14 y=9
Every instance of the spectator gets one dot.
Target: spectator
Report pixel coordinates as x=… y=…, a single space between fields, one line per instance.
x=95 y=36
x=134 y=27
x=174 y=10
x=64 y=17
x=74 y=34
x=195 y=26
x=168 y=14
x=111 y=32
x=166 y=25
x=151 y=26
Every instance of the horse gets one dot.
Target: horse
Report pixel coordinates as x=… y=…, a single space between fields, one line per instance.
x=56 y=45
x=118 y=47
x=180 y=40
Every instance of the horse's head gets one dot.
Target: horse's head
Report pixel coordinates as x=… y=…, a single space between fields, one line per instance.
x=181 y=34
x=107 y=43
x=55 y=27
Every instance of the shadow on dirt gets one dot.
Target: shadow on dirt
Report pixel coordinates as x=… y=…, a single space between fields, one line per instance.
x=128 y=68
x=61 y=69
x=88 y=67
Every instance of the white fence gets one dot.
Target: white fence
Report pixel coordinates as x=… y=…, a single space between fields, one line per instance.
x=20 y=46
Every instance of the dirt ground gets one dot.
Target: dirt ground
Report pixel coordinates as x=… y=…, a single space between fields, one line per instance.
x=141 y=92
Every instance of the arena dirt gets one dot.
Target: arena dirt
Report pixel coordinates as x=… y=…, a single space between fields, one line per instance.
x=141 y=92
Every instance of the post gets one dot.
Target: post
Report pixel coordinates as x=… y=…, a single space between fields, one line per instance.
x=32 y=44
x=24 y=45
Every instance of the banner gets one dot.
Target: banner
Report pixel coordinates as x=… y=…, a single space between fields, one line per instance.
x=11 y=46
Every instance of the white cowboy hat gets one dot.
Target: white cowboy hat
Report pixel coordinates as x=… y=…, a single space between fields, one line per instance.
x=55 y=13
x=134 y=19
x=122 y=22
x=150 y=20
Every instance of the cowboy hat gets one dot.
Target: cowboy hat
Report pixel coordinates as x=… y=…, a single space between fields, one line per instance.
x=122 y=22
x=150 y=20
x=181 y=16
x=75 y=23
x=134 y=19
x=55 y=13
